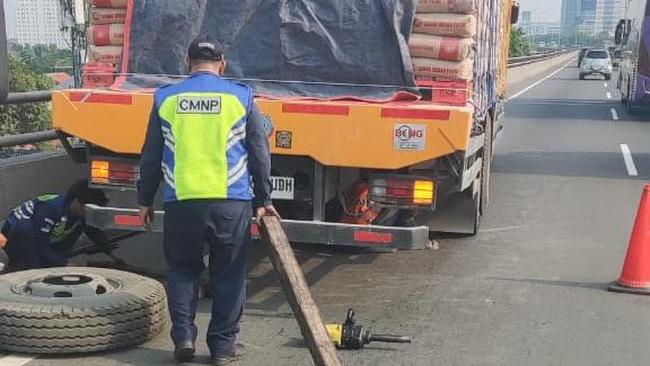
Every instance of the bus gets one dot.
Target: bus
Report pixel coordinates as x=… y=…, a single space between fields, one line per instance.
x=633 y=37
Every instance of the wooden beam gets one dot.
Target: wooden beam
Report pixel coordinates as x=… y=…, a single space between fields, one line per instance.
x=297 y=293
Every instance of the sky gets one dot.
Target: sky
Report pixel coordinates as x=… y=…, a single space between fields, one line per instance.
x=546 y=10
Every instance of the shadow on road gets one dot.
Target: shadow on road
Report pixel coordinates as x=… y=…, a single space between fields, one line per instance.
x=560 y=109
x=570 y=284
x=571 y=164
x=262 y=276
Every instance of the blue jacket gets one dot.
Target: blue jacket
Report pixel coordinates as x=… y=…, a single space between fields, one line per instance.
x=230 y=143
x=55 y=232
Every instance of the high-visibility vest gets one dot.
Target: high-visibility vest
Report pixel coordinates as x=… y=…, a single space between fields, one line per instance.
x=203 y=121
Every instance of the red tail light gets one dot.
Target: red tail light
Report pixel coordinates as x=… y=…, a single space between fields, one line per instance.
x=111 y=173
x=402 y=190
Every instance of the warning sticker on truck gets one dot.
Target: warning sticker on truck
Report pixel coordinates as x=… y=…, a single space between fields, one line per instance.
x=407 y=137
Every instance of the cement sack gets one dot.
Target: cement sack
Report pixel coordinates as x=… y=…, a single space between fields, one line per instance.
x=439 y=69
x=441 y=48
x=453 y=25
x=105 y=54
x=107 y=15
x=106 y=35
x=446 y=6
x=108 y=3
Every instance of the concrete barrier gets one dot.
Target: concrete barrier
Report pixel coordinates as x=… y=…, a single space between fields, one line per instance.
x=521 y=76
x=29 y=176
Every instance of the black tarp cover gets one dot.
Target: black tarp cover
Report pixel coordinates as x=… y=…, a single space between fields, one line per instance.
x=304 y=46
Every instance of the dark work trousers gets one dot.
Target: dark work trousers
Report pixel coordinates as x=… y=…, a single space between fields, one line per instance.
x=22 y=248
x=225 y=226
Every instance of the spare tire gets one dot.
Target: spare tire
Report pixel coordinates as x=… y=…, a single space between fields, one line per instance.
x=78 y=310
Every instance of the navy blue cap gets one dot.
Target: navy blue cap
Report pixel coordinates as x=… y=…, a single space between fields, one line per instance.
x=203 y=48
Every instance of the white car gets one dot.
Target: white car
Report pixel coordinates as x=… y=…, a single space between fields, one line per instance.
x=597 y=62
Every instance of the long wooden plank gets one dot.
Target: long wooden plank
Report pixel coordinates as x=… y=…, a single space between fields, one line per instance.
x=297 y=293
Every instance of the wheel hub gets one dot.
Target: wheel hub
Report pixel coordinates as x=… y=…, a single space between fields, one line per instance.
x=66 y=286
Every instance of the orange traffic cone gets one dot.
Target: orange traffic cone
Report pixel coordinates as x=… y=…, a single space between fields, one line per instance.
x=635 y=277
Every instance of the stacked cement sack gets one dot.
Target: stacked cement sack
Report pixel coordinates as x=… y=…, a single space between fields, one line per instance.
x=442 y=41
x=455 y=48
x=106 y=39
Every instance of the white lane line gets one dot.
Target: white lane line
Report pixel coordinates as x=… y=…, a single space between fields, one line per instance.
x=609 y=95
x=629 y=161
x=15 y=360
x=614 y=114
x=500 y=229
x=521 y=92
x=605 y=85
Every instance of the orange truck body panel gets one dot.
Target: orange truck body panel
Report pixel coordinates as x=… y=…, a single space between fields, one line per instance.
x=334 y=133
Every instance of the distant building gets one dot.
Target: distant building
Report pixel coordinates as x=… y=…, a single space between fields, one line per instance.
x=570 y=12
x=541 y=28
x=608 y=14
x=10 y=19
x=59 y=77
x=594 y=17
x=35 y=22
x=526 y=17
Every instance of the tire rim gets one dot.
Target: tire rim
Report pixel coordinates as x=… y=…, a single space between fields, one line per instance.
x=69 y=285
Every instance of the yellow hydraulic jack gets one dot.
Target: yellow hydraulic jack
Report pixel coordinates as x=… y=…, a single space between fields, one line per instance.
x=351 y=336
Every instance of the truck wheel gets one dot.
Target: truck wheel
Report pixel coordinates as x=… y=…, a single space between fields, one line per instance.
x=477 y=212
x=78 y=310
x=630 y=107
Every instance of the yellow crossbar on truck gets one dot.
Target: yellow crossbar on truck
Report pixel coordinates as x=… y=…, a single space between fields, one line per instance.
x=358 y=134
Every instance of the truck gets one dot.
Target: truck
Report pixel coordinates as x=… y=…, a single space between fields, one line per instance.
x=348 y=170
x=633 y=37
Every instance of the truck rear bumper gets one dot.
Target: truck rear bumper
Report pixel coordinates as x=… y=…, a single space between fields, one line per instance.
x=298 y=231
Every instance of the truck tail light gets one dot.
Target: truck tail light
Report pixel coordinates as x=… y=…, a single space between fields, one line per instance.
x=402 y=190
x=111 y=173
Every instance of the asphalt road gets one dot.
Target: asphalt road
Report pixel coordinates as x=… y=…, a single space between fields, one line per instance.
x=528 y=290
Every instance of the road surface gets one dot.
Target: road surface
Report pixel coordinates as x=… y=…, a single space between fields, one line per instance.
x=528 y=290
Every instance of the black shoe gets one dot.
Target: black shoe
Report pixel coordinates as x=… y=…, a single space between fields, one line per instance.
x=4 y=260
x=184 y=351
x=229 y=359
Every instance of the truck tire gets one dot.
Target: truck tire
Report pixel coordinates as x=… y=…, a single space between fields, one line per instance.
x=477 y=212
x=78 y=310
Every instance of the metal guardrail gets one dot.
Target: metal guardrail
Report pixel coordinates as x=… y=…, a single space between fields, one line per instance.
x=45 y=96
x=28 y=138
x=28 y=97
x=526 y=60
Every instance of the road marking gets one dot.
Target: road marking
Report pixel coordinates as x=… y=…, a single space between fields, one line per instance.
x=609 y=95
x=614 y=114
x=629 y=161
x=15 y=360
x=521 y=92
x=605 y=85
x=500 y=229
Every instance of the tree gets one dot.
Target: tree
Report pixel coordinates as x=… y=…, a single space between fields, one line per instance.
x=519 y=45
x=44 y=58
x=27 y=117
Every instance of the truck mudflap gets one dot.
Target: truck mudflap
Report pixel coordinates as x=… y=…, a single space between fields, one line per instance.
x=380 y=238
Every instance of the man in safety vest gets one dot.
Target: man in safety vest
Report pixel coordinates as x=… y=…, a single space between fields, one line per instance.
x=42 y=232
x=205 y=141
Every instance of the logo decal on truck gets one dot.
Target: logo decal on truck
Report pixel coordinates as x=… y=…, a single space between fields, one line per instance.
x=407 y=137
x=283 y=139
x=198 y=105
